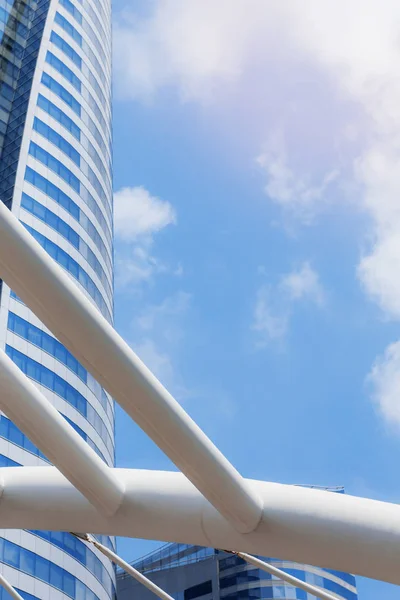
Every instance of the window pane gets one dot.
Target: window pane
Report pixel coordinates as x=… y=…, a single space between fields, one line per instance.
x=27 y=562
x=56 y=576
x=42 y=569
x=11 y=554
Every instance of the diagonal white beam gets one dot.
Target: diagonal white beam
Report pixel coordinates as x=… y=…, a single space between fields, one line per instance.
x=9 y=588
x=48 y=430
x=308 y=526
x=117 y=560
x=57 y=301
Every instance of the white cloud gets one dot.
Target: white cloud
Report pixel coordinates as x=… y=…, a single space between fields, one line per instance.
x=160 y=339
x=268 y=322
x=275 y=305
x=379 y=272
x=340 y=61
x=135 y=264
x=378 y=269
x=323 y=73
x=138 y=217
x=164 y=317
x=191 y=44
x=159 y=362
x=158 y=334
x=385 y=381
x=303 y=284
x=294 y=192
x=138 y=213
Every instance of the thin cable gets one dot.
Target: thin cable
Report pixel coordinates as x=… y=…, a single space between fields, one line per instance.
x=316 y=591
x=9 y=588
x=125 y=566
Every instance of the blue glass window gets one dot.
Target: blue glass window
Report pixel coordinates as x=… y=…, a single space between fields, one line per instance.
x=7 y=462
x=70 y=206
x=62 y=171
x=64 y=70
x=198 y=590
x=41 y=568
x=61 y=143
x=334 y=587
x=56 y=576
x=250 y=594
x=297 y=573
x=77 y=549
x=62 y=388
x=10 y=432
x=55 y=165
x=61 y=92
x=11 y=555
x=59 y=116
x=16 y=436
x=98 y=24
x=66 y=49
x=66 y=97
x=49 y=344
x=46 y=342
x=229 y=562
x=95 y=38
x=72 y=10
x=70 y=265
x=53 y=192
x=66 y=25
x=28 y=563
x=56 y=223
x=241 y=577
x=24 y=595
x=76 y=82
x=347 y=577
x=56 y=139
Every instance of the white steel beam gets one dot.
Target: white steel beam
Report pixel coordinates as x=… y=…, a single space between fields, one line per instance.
x=117 y=560
x=9 y=588
x=57 y=301
x=304 y=525
x=60 y=443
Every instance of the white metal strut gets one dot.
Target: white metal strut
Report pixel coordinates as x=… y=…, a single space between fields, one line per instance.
x=209 y=503
x=65 y=310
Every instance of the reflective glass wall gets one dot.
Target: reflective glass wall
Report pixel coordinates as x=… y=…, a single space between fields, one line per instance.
x=190 y=572
x=56 y=177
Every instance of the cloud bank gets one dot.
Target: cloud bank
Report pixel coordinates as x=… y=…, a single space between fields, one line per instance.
x=327 y=74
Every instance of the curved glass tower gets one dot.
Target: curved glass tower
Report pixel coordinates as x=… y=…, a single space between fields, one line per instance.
x=56 y=177
x=194 y=573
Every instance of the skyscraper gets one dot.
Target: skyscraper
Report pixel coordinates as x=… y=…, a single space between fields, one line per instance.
x=194 y=573
x=56 y=177
x=191 y=572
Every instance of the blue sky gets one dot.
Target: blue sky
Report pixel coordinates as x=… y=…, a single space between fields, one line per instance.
x=256 y=150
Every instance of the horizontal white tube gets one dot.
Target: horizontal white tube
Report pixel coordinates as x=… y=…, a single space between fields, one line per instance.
x=308 y=526
x=307 y=587
x=65 y=310
x=60 y=443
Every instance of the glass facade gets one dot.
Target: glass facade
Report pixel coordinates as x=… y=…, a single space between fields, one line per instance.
x=56 y=177
x=193 y=572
